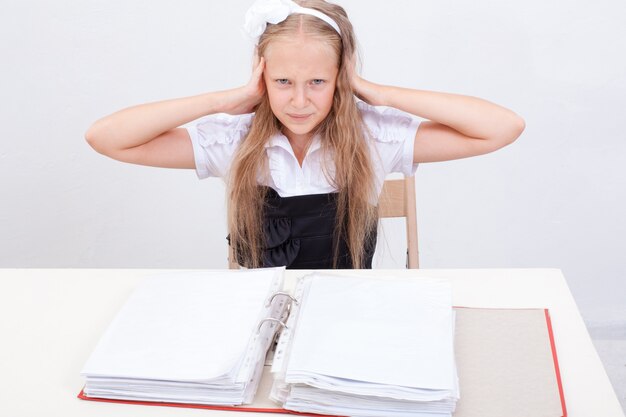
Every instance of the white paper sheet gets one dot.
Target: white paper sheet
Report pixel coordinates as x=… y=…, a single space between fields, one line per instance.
x=396 y=334
x=184 y=327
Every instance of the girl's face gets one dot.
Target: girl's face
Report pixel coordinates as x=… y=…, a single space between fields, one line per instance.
x=300 y=75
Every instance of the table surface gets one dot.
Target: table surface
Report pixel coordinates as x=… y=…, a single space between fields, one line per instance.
x=51 y=319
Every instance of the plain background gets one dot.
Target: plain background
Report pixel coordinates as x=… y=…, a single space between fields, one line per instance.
x=555 y=198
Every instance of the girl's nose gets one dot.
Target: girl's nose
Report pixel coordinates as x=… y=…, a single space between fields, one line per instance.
x=299 y=99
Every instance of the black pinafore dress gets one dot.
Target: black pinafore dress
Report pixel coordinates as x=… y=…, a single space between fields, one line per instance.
x=299 y=233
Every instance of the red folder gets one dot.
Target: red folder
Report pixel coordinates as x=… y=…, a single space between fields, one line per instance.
x=459 y=413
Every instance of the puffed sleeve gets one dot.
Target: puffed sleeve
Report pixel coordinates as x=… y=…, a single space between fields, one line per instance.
x=392 y=134
x=215 y=139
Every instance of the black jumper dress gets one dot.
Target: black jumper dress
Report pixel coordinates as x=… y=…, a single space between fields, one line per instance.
x=299 y=233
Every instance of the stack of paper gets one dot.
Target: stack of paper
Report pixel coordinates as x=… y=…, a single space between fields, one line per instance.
x=188 y=338
x=368 y=347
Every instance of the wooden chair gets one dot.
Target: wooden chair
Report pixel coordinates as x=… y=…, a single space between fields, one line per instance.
x=231 y=259
x=397 y=199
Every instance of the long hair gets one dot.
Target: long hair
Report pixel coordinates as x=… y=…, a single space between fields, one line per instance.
x=342 y=137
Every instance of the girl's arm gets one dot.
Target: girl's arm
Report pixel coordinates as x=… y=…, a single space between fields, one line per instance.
x=148 y=134
x=457 y=127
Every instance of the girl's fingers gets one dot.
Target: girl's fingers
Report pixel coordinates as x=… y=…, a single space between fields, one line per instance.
x=255 y=61
x=258 y=70
x=258 y=74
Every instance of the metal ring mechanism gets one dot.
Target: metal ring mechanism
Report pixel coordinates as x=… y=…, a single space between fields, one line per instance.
x=286 y=294
x=273 y=320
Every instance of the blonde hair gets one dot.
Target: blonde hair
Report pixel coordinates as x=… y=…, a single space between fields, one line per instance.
x=342 y=136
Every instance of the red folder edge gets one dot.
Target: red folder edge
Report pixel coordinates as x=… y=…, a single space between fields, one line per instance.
x=556 y=362
x=82 y=396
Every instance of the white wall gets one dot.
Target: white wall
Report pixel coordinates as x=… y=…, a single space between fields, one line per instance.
x=553 y=199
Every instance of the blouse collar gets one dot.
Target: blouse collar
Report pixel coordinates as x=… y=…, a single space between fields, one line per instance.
x=280 y=140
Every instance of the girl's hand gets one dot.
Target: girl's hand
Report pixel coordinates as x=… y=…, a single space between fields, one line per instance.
x=365 y=90
x=245 y=99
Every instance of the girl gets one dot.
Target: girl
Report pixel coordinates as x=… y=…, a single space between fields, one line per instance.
x=304 y=160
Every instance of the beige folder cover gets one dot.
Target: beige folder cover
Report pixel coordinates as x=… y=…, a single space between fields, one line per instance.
x=506 y=364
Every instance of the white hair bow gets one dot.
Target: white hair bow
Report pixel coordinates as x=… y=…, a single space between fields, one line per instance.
x=263 y=12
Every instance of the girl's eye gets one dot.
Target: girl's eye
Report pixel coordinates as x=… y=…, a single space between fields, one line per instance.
x=282 y=81
x=318 y=82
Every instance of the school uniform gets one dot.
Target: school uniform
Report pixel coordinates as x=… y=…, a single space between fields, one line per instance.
x=300 y=215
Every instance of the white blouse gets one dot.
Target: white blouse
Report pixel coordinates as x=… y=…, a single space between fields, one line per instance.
x=215 y=139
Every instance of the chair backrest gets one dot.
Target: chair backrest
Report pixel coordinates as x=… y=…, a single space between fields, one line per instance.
x=397 y=199
x=231 y=259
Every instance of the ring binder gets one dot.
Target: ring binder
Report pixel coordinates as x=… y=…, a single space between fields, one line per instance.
x=273 y=320
x=271 y=299
x=333 y=356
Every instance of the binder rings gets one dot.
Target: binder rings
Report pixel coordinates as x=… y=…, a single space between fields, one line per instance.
x=506 y=359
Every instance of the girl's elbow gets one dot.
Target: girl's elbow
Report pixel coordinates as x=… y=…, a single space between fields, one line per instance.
x=514 y=131
x=519 y=126
x=90 y=137
x=95 y=138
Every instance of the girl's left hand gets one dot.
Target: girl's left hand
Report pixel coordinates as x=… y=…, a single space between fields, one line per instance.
x=363 y=89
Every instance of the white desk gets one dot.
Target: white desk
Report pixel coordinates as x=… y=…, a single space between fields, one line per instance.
x=51 y=319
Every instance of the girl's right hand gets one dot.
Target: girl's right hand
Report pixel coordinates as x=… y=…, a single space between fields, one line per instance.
x=245 y=99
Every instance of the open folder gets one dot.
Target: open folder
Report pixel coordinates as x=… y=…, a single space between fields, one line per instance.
x=340 y=346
